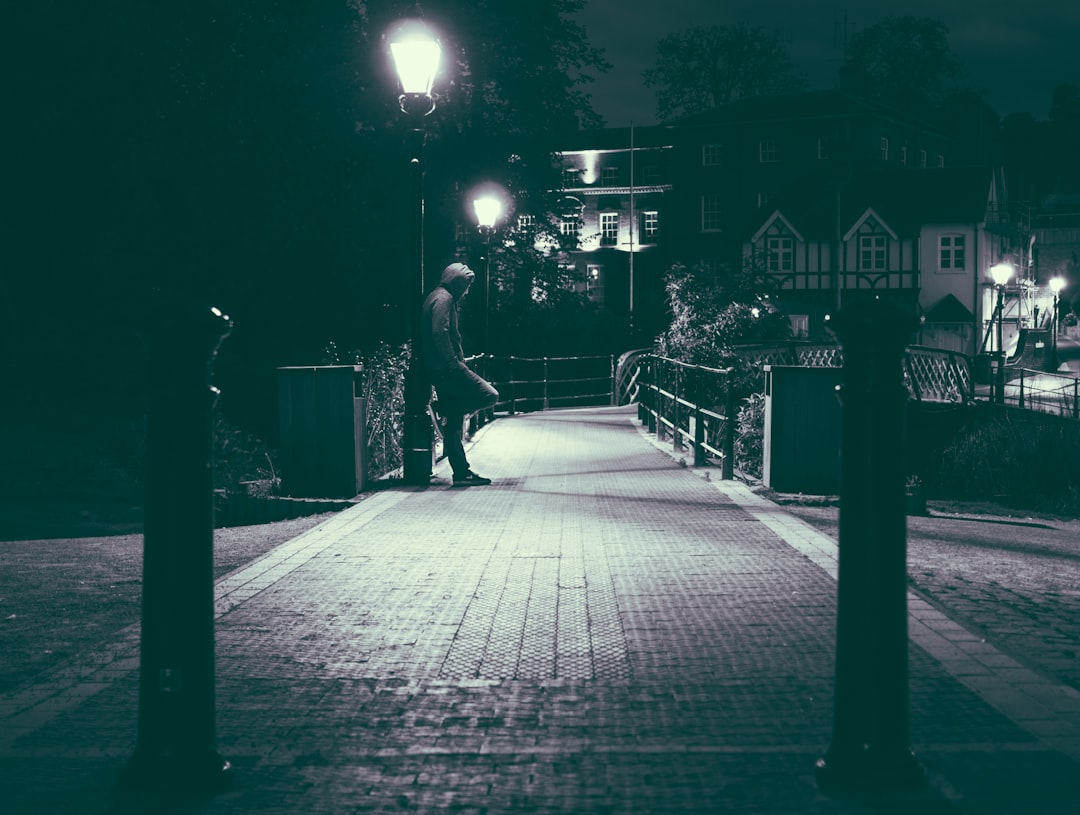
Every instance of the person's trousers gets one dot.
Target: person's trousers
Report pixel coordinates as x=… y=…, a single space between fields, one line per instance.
x=460 y=392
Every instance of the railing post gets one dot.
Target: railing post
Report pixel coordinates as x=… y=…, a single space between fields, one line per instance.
x=727 y=471
x=512 y=386
x=1076 y=398
x=1021 y=402
x=869 y=750
x=695 y=395
x=614 y=394
x=653 y=401
x=661 y=408
x=676 y=438
x=545 y=383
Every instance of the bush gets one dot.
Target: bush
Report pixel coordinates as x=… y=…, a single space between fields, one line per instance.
x=1023 y=462
x=750 y=435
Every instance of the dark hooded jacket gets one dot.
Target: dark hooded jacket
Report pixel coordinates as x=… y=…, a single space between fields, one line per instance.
x=439 y=335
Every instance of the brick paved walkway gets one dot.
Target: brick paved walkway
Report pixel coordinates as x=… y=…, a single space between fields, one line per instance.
x=601 y=631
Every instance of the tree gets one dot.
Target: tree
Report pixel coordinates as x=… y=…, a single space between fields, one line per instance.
x=703 y=67
x=905 y=62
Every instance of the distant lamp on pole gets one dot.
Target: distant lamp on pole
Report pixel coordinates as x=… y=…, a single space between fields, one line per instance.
x=1000 y=273
x=416 y=55
x=489 y=209
x=1056 y=285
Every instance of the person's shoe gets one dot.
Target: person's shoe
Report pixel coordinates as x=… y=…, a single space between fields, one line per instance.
x=471 y=479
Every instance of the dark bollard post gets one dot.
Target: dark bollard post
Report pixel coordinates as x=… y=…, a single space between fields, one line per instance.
x=175 y=755
x=869 y=750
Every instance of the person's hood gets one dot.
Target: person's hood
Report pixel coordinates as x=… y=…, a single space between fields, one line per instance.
x=456 y=279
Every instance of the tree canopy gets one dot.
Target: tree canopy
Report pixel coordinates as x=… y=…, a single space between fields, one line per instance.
x=703 y=67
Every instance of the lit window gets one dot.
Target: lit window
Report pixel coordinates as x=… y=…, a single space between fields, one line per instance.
x=570 y=227
x=952 y=255
x=872 y=252
x=711 y=212
x=710 y=154
x=594 y=283
x=525 y=222
x=767 y=151
x=650 y=226
x=609 y=228
x=800 y=325
x=609 y=176
x=780 y=254
x=571 y=177
x=884 y=149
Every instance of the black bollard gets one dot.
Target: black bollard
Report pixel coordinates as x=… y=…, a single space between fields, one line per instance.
x=869 y=750
x=175 y=756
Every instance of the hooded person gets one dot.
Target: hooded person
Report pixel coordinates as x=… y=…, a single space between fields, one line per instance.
x=459 y=389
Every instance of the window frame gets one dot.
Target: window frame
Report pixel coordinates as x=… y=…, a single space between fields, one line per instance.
x=711 y=154
x=780 y=254
x=650 y=225
x=767 y=153
x=952 y=253
x=609 y=228
x=715 y=212
x=873 y=247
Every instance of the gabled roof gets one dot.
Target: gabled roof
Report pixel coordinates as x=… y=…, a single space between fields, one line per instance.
x=903 y=199
x=949 y=310
x=776 y=216
x=866 y=216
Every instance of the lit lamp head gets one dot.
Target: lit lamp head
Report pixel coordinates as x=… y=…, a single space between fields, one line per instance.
x=1001 y=273
x=416 y=53
x=1056 y=285
x=488 y=211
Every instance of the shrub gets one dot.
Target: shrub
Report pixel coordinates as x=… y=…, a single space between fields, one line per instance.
x=750 y=435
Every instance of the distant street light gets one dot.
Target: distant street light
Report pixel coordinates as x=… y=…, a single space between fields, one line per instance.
x=1056 y=285
x=416 y=54
x=489 y=208
x=1001 y=274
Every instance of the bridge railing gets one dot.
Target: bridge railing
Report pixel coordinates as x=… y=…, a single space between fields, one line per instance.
x=1031 y=389
x=693 y=405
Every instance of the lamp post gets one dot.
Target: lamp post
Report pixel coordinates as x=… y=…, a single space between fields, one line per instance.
x=1056 y=285
x=1000 y=273
x=489 y=209
x=416 y=54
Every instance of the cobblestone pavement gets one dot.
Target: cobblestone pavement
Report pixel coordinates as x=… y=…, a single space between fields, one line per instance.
x=1015 y=581
x=599 y=631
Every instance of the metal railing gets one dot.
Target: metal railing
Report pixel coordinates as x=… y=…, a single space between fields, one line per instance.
x=1030 y=389
x=693 y=404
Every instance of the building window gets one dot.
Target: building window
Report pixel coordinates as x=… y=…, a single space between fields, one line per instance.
x=594 y=283
x=650 y=174
x=940 y=160
x=903 y=155
x=779 y=253
x=952 y=254
x=525 y=222
x=872 y=252
x=800 y=325
x=571 y=177
x=650 y=226
x=609 y=176
x=609 y=228
x=763 y=199
x=884 y=149
x=710 y=269
x=570 y=227
x=711 y=212
x=710 y=154
x=922 y=159
x=822 y=149
x=767 y=151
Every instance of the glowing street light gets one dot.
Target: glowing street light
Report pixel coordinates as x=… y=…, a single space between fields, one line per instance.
x=489 y=208
x=416 y=54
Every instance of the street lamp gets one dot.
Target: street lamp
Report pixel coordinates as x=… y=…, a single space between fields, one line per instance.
x=1000 y=273
x=416 y=54
x=489 y=209
x=1056 y=285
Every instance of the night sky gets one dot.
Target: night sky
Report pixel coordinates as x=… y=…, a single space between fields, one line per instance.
x=1016 y=52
